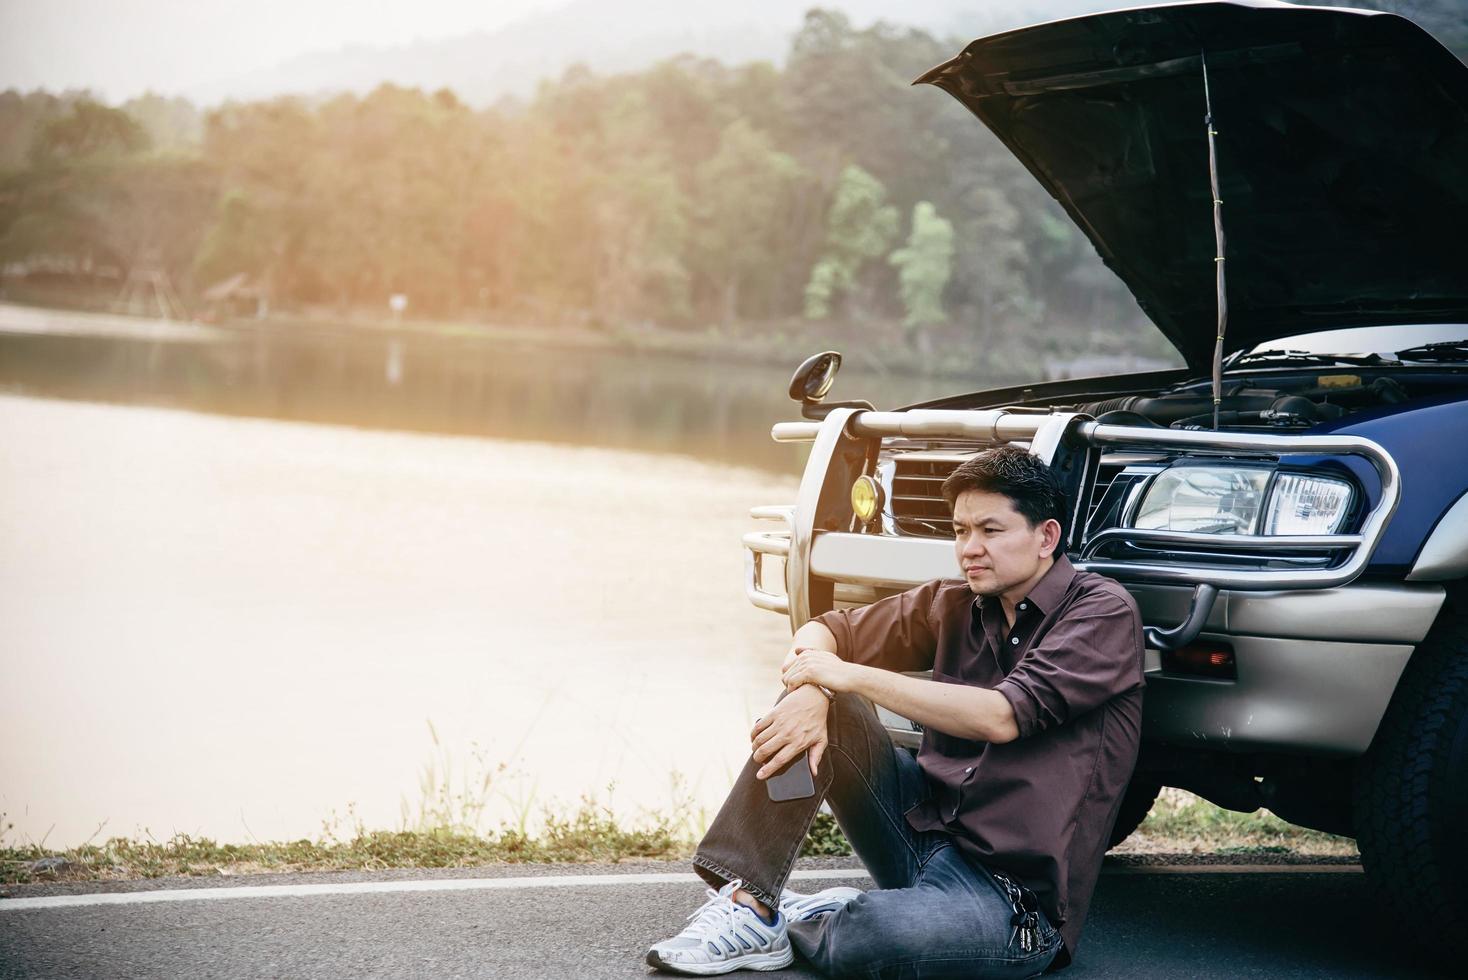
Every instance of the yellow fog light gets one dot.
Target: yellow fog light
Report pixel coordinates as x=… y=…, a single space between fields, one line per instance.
x=866 y=498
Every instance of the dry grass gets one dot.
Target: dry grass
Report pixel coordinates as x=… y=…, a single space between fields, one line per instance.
x=1180 y=823
x=592 y=833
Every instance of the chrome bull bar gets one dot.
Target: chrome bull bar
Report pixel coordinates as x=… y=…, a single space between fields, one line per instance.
x=903 y=562
x=758 y=544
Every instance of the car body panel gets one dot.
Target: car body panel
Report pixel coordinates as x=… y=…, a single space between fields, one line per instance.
x=1425 y=439
x=1445 y=555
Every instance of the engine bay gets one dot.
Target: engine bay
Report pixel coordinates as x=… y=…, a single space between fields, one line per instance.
x=1273 y=403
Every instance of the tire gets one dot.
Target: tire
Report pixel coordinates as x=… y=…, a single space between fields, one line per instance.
x=1137 y=802
x=1411 y=793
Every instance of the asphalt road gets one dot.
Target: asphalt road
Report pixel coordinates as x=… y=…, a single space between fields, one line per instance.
x=1194 y=922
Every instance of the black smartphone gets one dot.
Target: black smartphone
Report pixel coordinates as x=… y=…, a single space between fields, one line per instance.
x=794 y=782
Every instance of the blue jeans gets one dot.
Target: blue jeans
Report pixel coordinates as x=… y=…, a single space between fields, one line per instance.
x=935 y=912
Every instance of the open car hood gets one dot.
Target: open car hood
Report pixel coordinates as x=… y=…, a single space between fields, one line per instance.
x=1342 y=144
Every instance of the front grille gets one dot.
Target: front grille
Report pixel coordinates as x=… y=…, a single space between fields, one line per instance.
x=918 y=507
x=1105 y=476
x=1115 y=484
x=919 y=510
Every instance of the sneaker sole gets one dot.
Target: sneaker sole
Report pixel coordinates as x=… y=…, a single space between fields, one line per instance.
x=754 y=961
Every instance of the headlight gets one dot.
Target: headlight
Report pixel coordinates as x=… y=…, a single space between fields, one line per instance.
x=1204 y=500
x=1307 y=505
x=1211 y=499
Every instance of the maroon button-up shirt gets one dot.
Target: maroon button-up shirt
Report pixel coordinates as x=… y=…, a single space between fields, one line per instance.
x=1042 y=806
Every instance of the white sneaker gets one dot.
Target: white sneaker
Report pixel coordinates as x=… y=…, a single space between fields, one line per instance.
x=723 y=936
x=798 y=908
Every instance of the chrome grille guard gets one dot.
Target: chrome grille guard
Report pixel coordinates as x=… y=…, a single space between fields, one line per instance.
x=812 y=544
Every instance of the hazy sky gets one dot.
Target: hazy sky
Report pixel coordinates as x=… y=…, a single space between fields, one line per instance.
x=207 y=49
x=119 y=48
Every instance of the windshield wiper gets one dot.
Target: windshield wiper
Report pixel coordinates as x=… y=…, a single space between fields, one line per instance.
x=1447 y=350
x=1304 y=357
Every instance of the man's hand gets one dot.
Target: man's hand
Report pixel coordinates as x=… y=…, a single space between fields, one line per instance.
x=818 y=667
x=791 y=727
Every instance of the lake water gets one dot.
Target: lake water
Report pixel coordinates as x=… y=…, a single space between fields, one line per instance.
x=244 y=627
x=710 y=407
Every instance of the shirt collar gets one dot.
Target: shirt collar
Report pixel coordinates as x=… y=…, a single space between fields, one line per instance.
x=1046 y=594
x=1051 y=588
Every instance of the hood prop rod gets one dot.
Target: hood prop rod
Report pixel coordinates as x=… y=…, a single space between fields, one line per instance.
x=1217 y=245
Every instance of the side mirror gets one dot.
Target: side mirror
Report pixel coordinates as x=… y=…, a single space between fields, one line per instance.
x=812 y=381
x=814 y=378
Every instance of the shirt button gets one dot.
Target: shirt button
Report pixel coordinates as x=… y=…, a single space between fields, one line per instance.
x=1022 y=605
x=1014 y=641
x=968 y=770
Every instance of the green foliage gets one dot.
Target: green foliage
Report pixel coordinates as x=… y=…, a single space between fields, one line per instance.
x=995 y=267
x=240 y=241
x=744 y=193
x=101 y=212
x=924 y=266
x=22 y=116
x=825 y=838
x=692 y=194
x=590 y=833
x=90 y=131
x=1189 y=820
x=826 y=279
x=860 y=227
x=170 y=123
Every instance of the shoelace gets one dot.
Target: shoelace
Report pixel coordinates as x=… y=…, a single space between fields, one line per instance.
x=713 y=914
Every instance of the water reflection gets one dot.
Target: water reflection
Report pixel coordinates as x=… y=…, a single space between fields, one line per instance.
x=700 y=406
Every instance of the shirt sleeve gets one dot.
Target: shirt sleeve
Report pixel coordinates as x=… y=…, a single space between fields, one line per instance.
x=1091 y=655
x=895 y=633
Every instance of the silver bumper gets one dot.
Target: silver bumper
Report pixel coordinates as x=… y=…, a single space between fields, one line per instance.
x=1318 y=657
x=1316 y=668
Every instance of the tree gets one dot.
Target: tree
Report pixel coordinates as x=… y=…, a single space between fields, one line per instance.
x=992 y=265
x=91 y=130
x=924 y=266
x=171 y=123
x=241 y=240
x=860 y=227
x=743 y=191
x=22 y=116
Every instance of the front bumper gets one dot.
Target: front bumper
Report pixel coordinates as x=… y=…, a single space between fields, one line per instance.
x=1318 y=653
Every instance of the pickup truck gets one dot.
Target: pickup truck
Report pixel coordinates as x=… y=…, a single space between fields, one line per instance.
x=1285 y=192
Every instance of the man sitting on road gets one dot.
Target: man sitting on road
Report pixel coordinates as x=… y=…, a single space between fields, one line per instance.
x=986 y=847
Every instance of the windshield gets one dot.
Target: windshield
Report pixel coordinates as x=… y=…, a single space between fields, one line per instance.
x=1368 y=340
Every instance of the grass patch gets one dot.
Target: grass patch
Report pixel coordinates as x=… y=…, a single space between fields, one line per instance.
x=443 y=831
x=444 y=828
x=590 y=833
x=1179 y=823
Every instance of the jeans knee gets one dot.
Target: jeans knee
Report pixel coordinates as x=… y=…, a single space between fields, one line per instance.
x=851 y=717
x=834 y=952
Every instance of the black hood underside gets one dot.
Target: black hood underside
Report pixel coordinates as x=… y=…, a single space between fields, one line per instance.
x=1342 y=142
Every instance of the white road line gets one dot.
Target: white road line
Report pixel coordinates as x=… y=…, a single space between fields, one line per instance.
x=1232 y=869
x=210 y=894
x=370 y=887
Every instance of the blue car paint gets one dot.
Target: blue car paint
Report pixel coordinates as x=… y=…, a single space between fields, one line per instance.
x=1427 y=439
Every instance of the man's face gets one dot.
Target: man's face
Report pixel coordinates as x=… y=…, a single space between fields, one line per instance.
x=997 y=549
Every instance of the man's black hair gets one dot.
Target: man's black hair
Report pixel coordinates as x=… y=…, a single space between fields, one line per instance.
x=1017 y=474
